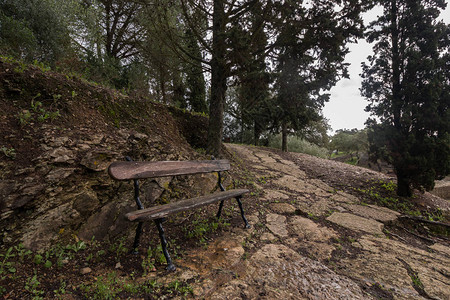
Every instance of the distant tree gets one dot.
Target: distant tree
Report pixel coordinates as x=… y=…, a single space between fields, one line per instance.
x=350 y=141
x=35 y=30
x=407 y=81
x=249 y=41
x=195 y=81
x=310 y=50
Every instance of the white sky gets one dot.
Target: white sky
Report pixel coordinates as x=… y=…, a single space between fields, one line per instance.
x=346 y=106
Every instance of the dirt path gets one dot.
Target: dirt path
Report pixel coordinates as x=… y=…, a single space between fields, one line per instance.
x=311 y=241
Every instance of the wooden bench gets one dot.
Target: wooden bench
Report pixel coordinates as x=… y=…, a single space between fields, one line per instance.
x=135 y=170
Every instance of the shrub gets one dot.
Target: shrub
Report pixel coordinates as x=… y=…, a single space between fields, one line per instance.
x=297 y=144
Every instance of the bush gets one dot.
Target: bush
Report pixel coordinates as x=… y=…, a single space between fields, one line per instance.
x=297 y=144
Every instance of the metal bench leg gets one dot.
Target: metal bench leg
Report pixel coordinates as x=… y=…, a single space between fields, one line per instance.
x=137 y=238
x=170 y=266
x=238 y=199
x=220 y=209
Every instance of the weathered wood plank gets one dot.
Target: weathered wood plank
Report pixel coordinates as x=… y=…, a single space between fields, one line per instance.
x=163 y=211
x=126 y=170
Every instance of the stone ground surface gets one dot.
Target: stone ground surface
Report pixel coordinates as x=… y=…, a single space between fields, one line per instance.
x=311 y=242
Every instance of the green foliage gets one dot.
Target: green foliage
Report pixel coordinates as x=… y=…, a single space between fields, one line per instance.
x=8 y=152
x=32 y=285
x=103 y=288
x=37 y=112
x=350 y=141
x=407 y=84
x=180 y=288
x=119 y=248
x=383 y=193
x=61 y=290
x=296 y=144
x=35 y=30
x=7 y=266
x=201 y=228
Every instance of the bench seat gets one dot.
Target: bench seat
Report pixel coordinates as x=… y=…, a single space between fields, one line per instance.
x=162 y=211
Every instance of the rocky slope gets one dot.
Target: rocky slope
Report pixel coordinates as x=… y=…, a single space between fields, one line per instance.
x=320 y=229
x=58 y=135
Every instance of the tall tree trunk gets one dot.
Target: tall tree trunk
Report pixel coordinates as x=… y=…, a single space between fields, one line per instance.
x=396 y=85
x=403 y=184
x=256 y=133
x=284 y=133
x=218 y=80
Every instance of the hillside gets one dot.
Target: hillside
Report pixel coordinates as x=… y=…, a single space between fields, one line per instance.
x=59 y=133
x=320 y=229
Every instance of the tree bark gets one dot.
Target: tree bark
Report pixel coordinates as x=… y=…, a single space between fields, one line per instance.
x=256 y=133
x=284 y=133
x=218 y=80
x=403 y=184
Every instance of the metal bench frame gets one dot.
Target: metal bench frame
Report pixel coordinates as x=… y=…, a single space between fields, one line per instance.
x=158 y=221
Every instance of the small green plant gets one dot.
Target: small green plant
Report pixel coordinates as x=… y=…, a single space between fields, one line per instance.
x=148 y=262
x=41 y=66
x=103 y=288
x=8 y=152
x=24 y=117
x=37 y=112
x=32 y=284
x=7 y=266
x=180 y=288
x=61 y=291
x=120 y=249
x=22 y=253
x=201 y=228
x=78 y=246
x=416 y=280
x=21 y=67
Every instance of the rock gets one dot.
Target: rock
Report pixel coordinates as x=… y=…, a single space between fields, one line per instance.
x=266 y=236
x=315 y=207
x=306 y=229
x=43 y=230
x=85 y=271
x=357 y=223
x=6 y=188
x=58 y=141
x=312 y=238
x=387 y=261
x=344 y=198
x=109 y=220
x=273 y=194
x=277 y=224
x=85 y=202
x=282 y=208
x=58 y=174
x=139 y=136
x=62 y=155
x=381 y=214
x=98 y=160
x=300 y=185
x=278 y=272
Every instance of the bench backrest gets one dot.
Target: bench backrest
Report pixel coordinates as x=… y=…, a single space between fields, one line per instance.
x=126 y=170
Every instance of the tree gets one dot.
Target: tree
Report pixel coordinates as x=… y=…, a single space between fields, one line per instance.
x=310 y=52
x=212 y=24
x=249 y=41
x=35 y=30
x=350 y=141
x=408 y=85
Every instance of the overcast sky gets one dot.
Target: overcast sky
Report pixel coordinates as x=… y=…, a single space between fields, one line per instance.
x=346 y=106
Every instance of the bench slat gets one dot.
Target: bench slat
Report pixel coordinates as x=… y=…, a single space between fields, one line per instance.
x=162 y=211
x=126 y=170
